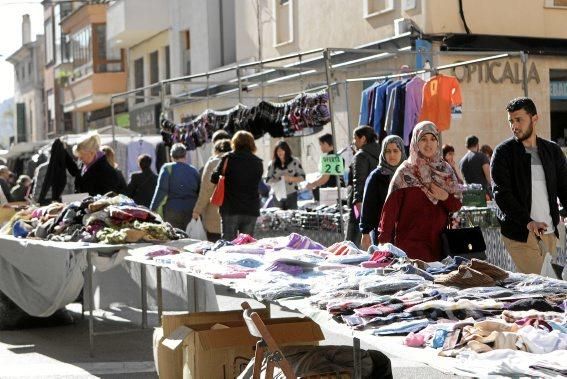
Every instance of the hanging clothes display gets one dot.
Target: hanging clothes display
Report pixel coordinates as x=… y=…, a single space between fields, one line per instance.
x=304 y=115
x=414 y=98
x=439 y=94
x=135 y=149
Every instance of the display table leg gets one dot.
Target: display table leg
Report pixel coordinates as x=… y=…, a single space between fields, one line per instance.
x=90 y=301
x=159 y=293
x=144 y=293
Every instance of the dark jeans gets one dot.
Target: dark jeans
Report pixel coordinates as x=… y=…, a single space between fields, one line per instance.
x=353 y=229
x=232 y=225
x=290 y=202
x=177 y=219
x=213 y=237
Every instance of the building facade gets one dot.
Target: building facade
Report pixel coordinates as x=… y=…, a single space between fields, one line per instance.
x=97 y=70
x=57 y=68
x=28 y=79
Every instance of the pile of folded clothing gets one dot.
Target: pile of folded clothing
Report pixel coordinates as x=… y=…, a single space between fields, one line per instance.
x=104 y=219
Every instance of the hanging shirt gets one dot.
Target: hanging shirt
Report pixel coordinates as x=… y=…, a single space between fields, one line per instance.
x=379 y=106
x=137 y=148
x=439 y=94
x=414 y=98
x=366 y=105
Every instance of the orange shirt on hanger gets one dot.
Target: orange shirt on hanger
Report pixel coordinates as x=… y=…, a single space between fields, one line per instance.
x=439 y=94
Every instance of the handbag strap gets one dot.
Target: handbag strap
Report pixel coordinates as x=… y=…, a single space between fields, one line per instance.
x=223 y=173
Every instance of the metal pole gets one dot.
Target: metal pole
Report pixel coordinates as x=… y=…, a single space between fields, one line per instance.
x=239 y=84
x=208 y=100
x=348 y=110
x=90 y=301
x=327 y=59
x=112 y=119
x=524 y=59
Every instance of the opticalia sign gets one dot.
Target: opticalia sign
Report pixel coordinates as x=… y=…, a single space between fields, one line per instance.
x=496 y=72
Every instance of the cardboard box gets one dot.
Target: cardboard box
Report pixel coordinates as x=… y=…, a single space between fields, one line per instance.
x=169 y=363
x=224 y=352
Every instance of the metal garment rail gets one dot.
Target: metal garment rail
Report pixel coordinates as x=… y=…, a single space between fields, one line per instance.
x=327 y=56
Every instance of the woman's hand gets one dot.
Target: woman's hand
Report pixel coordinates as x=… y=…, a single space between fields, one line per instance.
x=196 y=215
x=438 y=192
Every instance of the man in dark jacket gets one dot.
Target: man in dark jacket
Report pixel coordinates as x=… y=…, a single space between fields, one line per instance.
x=528 y=173
x=142 y=184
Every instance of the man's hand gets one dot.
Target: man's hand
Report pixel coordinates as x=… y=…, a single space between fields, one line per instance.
x=365 y=242
x=438 y=192
x=310 y=186
x=537 y=227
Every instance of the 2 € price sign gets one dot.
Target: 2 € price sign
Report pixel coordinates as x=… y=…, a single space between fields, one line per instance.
x=332 y=164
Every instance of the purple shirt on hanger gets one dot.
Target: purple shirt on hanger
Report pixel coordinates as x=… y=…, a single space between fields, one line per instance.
x=414 y=96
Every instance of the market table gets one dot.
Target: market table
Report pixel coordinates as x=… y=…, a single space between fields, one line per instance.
x=44 y=276
x=391 y=344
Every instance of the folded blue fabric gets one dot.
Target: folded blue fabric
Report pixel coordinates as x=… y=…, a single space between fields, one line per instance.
x=402 y=327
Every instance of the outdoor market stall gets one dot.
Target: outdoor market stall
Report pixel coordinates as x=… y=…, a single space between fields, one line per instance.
x=451 y=314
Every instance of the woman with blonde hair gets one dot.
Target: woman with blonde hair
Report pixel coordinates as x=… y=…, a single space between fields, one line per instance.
x=243 y=172
x=97 y=176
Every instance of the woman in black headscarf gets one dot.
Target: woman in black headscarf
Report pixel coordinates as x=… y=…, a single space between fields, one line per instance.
x=376 y=188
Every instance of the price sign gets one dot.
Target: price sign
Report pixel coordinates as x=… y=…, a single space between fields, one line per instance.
x=331 y=164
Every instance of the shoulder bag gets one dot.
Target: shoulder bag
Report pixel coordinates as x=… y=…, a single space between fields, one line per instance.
x=217 y=198
x=466 y=242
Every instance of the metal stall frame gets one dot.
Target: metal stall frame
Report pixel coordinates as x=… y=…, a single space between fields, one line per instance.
x=327 y=55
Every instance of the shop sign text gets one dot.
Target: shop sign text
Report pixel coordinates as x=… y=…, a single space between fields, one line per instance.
x=496 y=72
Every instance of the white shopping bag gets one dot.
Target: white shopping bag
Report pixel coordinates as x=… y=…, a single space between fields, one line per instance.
x=279 y=189
x=195 y=230
x=547 y=268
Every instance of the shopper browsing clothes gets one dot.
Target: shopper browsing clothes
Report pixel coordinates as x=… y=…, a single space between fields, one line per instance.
x=203 y=208
x=177 y=189
x=324 y=181
x=449 y=157
x=22 y=188
x=423 y=191
x=376 y=188
x=287 y=168
x=241 y=206
x=364 y=162
x=5 y=182
x=529 y=173
x=111 y=158
x=96 y=176
x=143 y=183
x=475 y=165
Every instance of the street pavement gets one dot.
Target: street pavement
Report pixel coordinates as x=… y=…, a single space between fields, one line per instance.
x=63 y=351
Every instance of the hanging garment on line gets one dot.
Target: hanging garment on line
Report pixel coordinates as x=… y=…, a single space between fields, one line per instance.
x=439 y=94
x=414 y=98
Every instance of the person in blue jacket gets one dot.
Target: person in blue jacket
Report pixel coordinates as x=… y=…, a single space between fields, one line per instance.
x=177 y=189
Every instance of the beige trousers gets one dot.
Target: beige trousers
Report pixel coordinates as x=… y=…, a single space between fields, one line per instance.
x=527 y=256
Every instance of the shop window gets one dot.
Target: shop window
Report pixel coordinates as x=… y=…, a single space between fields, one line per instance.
x=154 y=72
x=377 y=7
x=556 y=3
x=283 y=31
x=139 y=79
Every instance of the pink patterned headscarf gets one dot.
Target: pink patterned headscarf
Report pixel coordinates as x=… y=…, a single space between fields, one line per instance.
x=419 y=171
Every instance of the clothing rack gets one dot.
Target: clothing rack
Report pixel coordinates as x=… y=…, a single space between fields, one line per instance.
x=327 y=57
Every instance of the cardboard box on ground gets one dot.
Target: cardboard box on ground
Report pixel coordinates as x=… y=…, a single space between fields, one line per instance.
x=187 y=347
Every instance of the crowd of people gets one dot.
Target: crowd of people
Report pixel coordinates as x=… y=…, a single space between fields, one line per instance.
x=404 y=200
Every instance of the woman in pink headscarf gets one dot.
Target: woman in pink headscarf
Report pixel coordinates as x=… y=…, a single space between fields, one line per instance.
x=423 y=191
